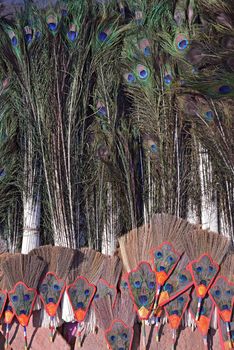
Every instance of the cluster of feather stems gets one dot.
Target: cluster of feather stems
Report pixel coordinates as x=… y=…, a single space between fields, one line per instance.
x=166 y=271
x=111 y=111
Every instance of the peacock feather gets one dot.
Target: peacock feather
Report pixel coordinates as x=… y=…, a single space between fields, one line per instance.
x=81 y=294
x=119 y=336
x=222 y=293
x=51 y=290
x=142 y=287
x=22 y=300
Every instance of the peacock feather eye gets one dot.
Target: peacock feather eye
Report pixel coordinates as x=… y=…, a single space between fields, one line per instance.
x=52 y=23
x=50 y=300
x=154 y=148
x=15 y=298
x=181 y=42
x=125 y=285
x=183 y=278
x=228 y=292
x=96 y=296
x=168 y=79
x=144 y=46
x=151 y=285
x=203 y=282
x=217 y=293
x=130 y=77
x=170 y=260
x=142 y=72
x=26 y=297
x=80 y=305
x=158 y=255
x=113 y=338
x=225 y=89
x=124 y=336
x=72 y=34
x=225 y=307
x=14 y=39
x=199 y=269
x=37 y=34
x=87 y=292
x=211 y=269
x=161 y=268
x=209 y=115
x=181 y=299
x=137 y=284
x=104 y=35
x=175 y=312
x=56 y=287
x=168 y=288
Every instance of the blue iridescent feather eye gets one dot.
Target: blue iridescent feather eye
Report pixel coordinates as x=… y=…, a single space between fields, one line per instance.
x=52 y=23
x=158 y=255
x=203 y=282
x=103 y=36
x=183 y=278
x=26 y=297
x=143 y=299
x=28 y=38
x=102 y=111
x=169 y=288
x=175 y=312
x=14 y=41
x=112 y=338
x=124 y=336
x=183 y=44
x=199 y=269
x=137 y=284
x=96 y=296
x=181 y=299
x=147 y=51
x=170 y=259
x=125 y=285
x=131 y=78
x=211 y=269
x=56 y=287
x=87 y=292
x=44 y=288
x=23 y=312
x=217 y=293
x=15 y=298
x=228 y=292
x=168 y=79
x=151 y=285
x=142 y=72
x=225 y=89
x=72 y=35
x=80 y=305
x=52 y=26
x=209 y=117
x=161 y=268
x=225 y=307
x=154 y=148
x=38 y=34
x=50 y=300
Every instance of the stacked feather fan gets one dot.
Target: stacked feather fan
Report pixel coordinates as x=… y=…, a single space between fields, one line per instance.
x=176 y=269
